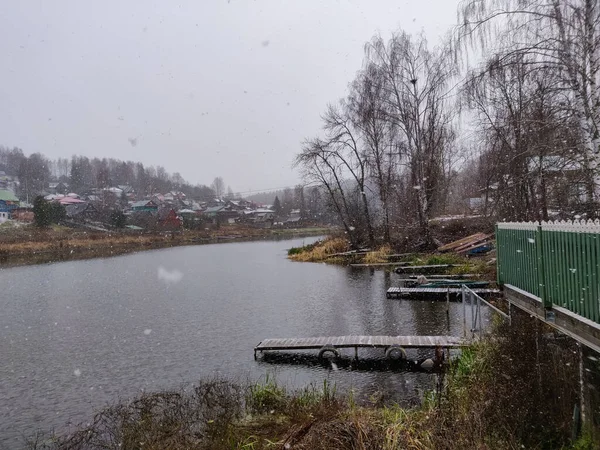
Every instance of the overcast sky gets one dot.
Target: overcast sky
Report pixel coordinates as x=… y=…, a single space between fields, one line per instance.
x=205 y=88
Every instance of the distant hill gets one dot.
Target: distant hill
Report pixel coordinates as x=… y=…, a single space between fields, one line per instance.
x=265 y=198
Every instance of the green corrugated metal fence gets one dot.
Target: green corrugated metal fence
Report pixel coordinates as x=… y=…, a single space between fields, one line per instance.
x=558 y=262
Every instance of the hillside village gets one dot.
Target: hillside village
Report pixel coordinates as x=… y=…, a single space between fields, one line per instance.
x=122 y=207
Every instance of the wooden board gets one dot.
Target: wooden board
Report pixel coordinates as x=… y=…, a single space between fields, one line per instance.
x=461 y=242
x=473 y=243
x=315 y=343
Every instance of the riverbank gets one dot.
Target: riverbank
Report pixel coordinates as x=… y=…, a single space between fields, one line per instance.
x=492 y=396
x=336 y=250
x=29 y=245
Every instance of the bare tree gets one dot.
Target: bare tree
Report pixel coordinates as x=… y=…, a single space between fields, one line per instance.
x=318 y=164
x=559 y=36
x=369 y=115
x=416 y=83
x=34 y=174
x=344 y=143
x=218 y=186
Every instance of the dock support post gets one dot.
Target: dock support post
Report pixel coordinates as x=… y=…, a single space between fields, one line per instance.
x=464 y=302
x=582 y=391
x=472 y=315
x=356 y=353
x=448 y=307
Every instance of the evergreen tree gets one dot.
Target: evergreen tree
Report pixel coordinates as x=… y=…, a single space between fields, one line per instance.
x=118 y=219
x=277 y=206
x=41 y=212
x=57 y=211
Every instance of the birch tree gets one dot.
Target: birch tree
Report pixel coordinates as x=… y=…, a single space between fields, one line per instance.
x=562 y=36
x=369 y=115
x=416 y=82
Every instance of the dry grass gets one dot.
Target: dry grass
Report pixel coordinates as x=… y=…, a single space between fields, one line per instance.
x=216 y=414
x=515 y=390
x=321 y=251
x=381 y=255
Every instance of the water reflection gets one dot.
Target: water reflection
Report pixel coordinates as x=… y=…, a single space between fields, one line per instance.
x=347 y=362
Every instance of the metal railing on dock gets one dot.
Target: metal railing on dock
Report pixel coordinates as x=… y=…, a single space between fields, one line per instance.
x=476 y=302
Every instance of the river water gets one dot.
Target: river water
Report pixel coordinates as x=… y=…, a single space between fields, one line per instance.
x=76 y=336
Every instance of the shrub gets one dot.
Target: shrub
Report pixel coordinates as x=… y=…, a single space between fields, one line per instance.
x=266 y=397
x=58 y=213
x=42 y=214
x=118 y=219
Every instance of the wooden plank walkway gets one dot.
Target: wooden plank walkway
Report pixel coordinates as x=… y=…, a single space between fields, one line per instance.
x=458 y=277
x=429 y=268
x=316 y=343
x=398 y=292
x=392 y=264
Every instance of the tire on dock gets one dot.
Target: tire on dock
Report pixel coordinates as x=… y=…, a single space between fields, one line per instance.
x=328 y=349
x=395 y=353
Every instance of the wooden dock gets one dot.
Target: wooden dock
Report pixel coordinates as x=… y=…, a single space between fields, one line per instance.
x=394 y=345
x=457 y=277
x=434 y=293
x=425 y=269
x=386 y=264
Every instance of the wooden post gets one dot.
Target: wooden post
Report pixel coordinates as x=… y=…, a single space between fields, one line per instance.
x=448 y=306
x=464 y=302
x=582 y=405
x=356 y=353
x=472 y=316
x=478 y=316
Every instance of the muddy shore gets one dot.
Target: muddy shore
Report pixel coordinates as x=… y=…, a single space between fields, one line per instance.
x=29 y=245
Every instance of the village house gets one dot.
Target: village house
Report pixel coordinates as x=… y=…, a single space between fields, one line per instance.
x=557 y=183
x=22 y=214
x=81 y=212
x=127 y=190
x=221 y=214
x=8 y=182
x=168 y=219
x=144 y=205
x=58 y=188
x=294 y=218
x=8 y=203
x=260 y=217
